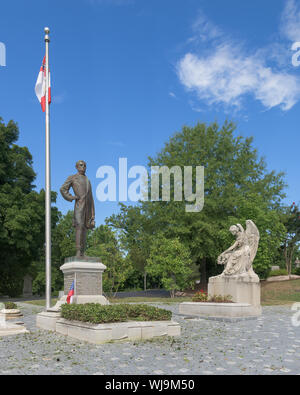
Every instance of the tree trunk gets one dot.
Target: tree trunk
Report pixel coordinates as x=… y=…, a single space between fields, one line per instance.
x=203 y=276
x=145 y=281
x=286 y=258
x=288 y=254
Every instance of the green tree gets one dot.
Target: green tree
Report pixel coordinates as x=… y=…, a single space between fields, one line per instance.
x=291 y=220
x=21 y=212
x=170 y=260
x=237 y=186
x=63 y=246
x=63 y=239
x=134 y=232
x=102 y=243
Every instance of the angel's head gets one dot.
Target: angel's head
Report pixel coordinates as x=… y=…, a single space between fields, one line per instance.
x=236 y=229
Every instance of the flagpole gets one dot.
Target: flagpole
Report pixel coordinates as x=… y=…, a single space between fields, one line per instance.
x=48 y=181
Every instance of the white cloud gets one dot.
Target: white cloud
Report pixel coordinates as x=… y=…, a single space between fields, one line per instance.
x=205 y=29
x=290 y=21
x=226 y=73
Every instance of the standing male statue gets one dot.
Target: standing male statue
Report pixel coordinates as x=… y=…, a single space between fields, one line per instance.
x=84 y=210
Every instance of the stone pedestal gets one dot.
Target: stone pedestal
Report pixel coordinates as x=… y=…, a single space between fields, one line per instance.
x=87 y=276
x=10 y=314
x=219 y=311
x=242 y=288
x=47 y=320
x=245 y=293
x=11 y=329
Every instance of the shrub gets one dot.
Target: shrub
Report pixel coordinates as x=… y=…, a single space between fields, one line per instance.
x=10 y=305
x=220 y=299
x=200 y=296
x=279 y=272
x=96 y=313
x=296 y=271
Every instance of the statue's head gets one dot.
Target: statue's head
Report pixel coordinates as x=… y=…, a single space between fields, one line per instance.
x=234 y=230
x=81 y=166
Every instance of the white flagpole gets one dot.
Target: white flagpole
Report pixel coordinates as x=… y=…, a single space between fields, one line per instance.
x=48 y=181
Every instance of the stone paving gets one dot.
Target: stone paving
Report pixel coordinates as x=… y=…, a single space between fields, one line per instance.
x=267 y=345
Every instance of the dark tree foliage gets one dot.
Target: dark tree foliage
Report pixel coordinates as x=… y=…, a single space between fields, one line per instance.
x=22 y=212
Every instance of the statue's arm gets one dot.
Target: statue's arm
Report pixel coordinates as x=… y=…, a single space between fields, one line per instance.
x=64 y=190
x=93 y=204
x=93 y=209
x=231 y=248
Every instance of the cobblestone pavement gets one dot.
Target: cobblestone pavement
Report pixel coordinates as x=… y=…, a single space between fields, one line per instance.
x=267 y=345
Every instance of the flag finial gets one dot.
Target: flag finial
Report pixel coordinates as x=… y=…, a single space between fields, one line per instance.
x=47 y=31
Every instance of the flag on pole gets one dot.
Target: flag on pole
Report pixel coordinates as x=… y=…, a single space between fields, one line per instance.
x=40 y=86
x=70 y=294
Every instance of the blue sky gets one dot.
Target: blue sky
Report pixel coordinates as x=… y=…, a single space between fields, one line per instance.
x=127 y=74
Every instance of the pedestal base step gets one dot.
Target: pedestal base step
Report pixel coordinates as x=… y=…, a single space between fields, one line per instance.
x=103 y=333
x=229 y=311
x=10 y=314
x=7 y=329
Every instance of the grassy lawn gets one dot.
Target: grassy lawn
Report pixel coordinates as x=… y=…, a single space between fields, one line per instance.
x=125 y=300
x=280 y=292
x=41 y=302
x=272 y=293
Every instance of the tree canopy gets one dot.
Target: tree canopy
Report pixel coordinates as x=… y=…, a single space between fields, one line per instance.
x=237 y=186
x=161 y=240
x=21 y=211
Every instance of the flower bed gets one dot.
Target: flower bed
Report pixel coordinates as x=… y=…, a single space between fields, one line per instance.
x=99 y=314
x=202 y=296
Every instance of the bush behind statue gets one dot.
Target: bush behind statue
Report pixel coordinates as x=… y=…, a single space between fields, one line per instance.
x=96 y=313
x=10 y=306
x=278 y=272
x=203 y=296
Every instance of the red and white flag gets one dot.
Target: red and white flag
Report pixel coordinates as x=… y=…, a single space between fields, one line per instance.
x=40 y=86
x=70 y=294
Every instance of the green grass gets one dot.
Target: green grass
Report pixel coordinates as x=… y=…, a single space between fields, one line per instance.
x=124 y=300
x=41 y=302
x=280 y=292
x=150 y=300
x=272 y=293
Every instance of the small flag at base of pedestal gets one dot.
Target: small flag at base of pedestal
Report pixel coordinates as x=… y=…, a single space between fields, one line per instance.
x=70 y=294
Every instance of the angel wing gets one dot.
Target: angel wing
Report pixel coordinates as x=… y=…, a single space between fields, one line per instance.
x=253 y=239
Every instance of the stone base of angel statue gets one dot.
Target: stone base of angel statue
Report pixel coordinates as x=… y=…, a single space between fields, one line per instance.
x=238 y=278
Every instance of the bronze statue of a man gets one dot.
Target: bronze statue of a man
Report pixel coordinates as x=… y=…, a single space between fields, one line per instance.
x=84 y=210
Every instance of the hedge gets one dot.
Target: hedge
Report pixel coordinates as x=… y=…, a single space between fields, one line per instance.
x=278 y=272
x=96 y=313
x=10 y=305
